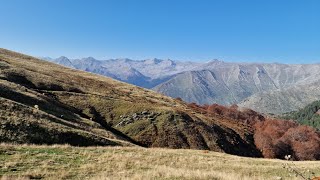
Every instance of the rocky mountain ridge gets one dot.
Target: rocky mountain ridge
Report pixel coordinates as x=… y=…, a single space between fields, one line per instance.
x=265 y=87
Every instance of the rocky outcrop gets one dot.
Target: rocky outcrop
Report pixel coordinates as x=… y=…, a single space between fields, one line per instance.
x=144 y=115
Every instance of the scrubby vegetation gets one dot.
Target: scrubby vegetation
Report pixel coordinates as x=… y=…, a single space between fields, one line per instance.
x=309 y=115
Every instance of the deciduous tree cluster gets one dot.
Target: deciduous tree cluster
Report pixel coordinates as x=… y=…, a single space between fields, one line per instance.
x=275 y=138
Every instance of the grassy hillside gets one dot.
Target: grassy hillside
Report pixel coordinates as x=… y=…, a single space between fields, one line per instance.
x=65 y=162
x=308 y=115
x=45 y=103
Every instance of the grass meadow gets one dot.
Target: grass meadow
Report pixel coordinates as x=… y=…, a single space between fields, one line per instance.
x=66 y=162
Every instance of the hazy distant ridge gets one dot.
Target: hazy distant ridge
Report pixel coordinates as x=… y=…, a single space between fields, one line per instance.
x=265 y=87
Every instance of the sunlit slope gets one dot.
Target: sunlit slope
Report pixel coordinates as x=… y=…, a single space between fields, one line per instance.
x=47 y=102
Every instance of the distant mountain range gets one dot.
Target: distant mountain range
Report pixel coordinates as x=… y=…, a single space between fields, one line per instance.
x=265 y=87
x=145 y=73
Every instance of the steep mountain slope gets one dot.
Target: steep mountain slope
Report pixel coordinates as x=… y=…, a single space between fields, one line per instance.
x=63 y=60
x=268 y=88
x=47 y=103
x=31 y=113
x=283 y=100
x=197 y=86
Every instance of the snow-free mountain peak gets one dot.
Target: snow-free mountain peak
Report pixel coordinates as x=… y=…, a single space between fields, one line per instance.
x=266 y=87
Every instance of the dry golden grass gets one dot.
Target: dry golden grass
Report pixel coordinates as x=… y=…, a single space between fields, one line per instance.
x=66 y=162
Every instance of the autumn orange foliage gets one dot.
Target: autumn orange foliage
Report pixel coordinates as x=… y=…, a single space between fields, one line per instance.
x=275 y=138
x=232 y=113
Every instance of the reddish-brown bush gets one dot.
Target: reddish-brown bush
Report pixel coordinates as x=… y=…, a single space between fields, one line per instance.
x=247 y=115
x=276 y=138
x=231 y=113
x=217 y=109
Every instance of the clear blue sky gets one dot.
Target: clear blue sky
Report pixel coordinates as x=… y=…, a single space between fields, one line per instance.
x=285 y=31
